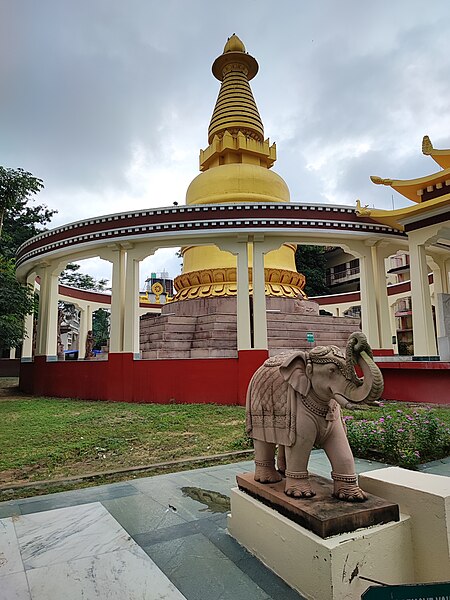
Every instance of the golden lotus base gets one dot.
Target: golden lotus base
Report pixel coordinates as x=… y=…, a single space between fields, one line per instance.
x=223 y=282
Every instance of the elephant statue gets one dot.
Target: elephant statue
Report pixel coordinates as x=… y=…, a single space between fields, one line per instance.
x=294 y=402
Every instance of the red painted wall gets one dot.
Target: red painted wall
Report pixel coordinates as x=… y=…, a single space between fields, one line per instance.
x=427 y=382
x=215 y=380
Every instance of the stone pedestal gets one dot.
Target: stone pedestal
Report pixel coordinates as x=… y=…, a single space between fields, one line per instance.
x=322 y=569
x=324 y=515
x=414 y=549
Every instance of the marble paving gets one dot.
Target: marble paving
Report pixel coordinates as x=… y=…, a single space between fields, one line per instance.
x=146 y=538
x=73 y=553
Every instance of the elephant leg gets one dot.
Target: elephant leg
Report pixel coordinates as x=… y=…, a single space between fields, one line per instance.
x=265 y=471
x=297 y=457
x=342 y=462
x=281 y=460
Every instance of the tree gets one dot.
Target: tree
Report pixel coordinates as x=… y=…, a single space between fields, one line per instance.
x=16 y=301
x=19 y=220
x=100 y=328
x=311 y=261
x=71 y=277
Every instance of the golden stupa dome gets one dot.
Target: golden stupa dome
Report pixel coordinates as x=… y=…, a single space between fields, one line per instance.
x=237 y=183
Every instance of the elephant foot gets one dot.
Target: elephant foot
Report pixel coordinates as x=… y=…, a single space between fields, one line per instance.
x=298 y=485
x=265 y=471
x=346 y=488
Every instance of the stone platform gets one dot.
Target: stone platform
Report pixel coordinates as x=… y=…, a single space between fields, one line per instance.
x=324 y=515
x=207 y=327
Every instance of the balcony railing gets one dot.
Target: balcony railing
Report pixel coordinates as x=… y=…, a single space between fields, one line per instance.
x=342 y=276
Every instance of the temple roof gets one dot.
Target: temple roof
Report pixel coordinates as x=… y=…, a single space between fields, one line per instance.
x=425 y=188
x=395 y=218
x=415 y=189
x=430 y=193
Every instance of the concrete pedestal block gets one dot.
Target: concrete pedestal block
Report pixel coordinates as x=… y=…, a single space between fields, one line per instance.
x=426 y=498
x=322 y=569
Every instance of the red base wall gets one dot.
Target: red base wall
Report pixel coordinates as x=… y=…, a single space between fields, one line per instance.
x=220 y=381
x=120 y=378
x=427 y=382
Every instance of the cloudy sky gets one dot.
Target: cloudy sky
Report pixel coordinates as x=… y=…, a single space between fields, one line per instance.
x=109 y=102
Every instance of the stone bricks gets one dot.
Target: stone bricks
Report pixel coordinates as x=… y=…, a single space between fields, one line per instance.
x=206 y=328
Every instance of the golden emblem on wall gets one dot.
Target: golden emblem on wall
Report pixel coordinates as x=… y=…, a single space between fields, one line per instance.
x=157 y=289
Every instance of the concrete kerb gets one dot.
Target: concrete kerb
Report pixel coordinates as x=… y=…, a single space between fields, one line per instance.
x=213 y=458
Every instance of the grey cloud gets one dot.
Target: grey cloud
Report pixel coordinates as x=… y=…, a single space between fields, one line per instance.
x=86 y=81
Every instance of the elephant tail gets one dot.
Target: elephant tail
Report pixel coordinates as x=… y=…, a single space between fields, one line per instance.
x=248 y=407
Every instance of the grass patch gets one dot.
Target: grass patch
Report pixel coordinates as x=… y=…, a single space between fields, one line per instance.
x=53 y=438
x=47 y=438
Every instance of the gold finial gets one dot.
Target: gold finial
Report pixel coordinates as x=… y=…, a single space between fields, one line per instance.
x=427 y=146
x=234 y=44
x=235 y=108
x=380 y=181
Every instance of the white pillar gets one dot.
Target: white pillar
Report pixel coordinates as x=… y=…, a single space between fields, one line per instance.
x=131 y=314
x=422 y=318
x=243 y=299
x=384 y=324
x=85 y=326
x=259 y=299
x=12 y=353
x=369 y=315
x=239 y=247
x=393 y=325
x=27 y=344
x=48 y=313
x=117 y=300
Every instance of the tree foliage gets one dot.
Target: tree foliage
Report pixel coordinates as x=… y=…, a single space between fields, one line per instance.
x=100 y=328
x=72 y=278
x=16 y=301
x=19 y=219
x=311 y=261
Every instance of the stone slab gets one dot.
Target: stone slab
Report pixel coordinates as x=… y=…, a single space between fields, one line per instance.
x=323 y=514
x=76 y=552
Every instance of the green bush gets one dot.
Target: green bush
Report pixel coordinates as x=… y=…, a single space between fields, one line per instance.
x=404 y=437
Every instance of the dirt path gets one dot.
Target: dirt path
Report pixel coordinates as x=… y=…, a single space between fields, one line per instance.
x=9 y=389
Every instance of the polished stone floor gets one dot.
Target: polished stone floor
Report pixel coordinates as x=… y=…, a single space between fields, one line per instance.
x=149 y=538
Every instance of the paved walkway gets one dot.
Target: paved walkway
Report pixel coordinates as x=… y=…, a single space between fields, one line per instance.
x=148 y=538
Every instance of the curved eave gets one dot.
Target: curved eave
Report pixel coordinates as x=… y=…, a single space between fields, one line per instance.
x=410 y=187
x=442 y=157
x=393 y=218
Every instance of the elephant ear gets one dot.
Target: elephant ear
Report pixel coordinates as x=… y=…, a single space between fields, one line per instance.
x=293 y=370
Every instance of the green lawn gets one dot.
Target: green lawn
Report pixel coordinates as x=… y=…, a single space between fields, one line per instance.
x=52 y=438
x=46 y=438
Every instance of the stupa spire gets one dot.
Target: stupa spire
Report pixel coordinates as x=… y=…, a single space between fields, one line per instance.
x=235 y=110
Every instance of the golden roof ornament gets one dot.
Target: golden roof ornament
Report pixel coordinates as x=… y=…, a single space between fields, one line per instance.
x=427 y=146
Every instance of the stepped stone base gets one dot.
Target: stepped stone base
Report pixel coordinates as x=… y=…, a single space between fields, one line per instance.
x=206 y=328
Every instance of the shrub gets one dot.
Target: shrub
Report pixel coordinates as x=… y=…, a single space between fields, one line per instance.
x=399 y=436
